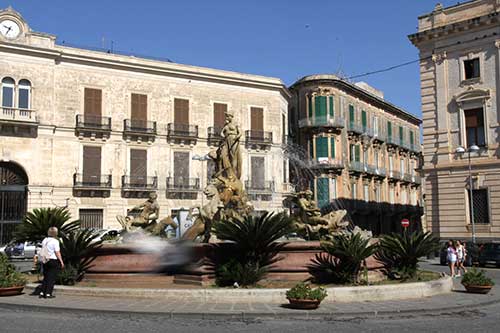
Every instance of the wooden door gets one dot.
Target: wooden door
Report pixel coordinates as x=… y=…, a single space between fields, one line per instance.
x=257 y=122
x=92 y=165
x=219 y=115
x=139 y=111
x=92 y=108
x=138 y=166
x=181 y=111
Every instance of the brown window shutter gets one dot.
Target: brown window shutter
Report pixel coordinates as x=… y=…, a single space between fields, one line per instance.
x=219 y=114
x=139 y=107
x=256 y=119
x=138 y=165
x=257 y=172
x=91 y=164
x=181 y=167
x=181 y=111
x=92 y=102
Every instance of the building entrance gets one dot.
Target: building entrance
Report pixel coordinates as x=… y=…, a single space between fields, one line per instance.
x=13 y=198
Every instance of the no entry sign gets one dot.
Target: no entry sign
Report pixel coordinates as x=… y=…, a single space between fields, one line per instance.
x=405 y=223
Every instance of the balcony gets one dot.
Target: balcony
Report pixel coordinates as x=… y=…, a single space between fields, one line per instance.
x=138 y=186
x=91 y=185
x=380 y=173
x=140 y=130
x=355 y=129
x=327 y=164
x=378 y=137
x=213 y=135
x=406 y=178
x=180 y=184
x=415 y=148
x=258 y=139
x=356 y=167
x=259 y=190
x=394 y=176
x=182 y=133
x=92 y=126
x=322 y=122
x=18 y=122
x=416 y=179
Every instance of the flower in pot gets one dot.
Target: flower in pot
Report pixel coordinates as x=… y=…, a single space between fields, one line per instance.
x=476 y=281
x=11 y=281
x=302 y=296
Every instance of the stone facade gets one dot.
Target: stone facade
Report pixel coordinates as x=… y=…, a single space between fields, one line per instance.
x=360 y=151
x=44 y=141
x=460 y=73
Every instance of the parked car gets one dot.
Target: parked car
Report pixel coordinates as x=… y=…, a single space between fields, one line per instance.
x=490 y=254
x=106 y=234
x=21 y=250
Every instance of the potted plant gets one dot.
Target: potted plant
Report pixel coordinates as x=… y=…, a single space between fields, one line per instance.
x=302 y=296
x=476 y=281
x=11 y=281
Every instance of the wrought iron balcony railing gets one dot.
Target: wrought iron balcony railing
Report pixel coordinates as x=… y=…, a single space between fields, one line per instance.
x=182 y=131
x=18 y=115
x=139 y=126
x=214 y=134
x=357 y=166
x=416 y=179
x=258 y=137
x=139 y=183
x=381 y=172
x=392 y=141
x=395 y=174
x=93 y=122
x=180 y=184
x=415 y=148
x=259 y=187
x=353 y=127
x=81 y=180
x=333 y=122
x=327 y=163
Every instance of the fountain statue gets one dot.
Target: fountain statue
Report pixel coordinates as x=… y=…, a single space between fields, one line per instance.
x=147 y=219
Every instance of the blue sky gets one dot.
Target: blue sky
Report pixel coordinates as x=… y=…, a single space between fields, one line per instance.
x=285 y=39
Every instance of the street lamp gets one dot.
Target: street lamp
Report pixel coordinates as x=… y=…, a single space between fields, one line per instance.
x=472 y=149
x=201 y=158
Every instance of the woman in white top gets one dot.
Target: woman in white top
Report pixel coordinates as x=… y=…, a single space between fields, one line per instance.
x=51 y=268
x=461 y=253
x=451 y=256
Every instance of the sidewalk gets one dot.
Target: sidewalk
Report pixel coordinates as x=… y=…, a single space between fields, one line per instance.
x=454 y=302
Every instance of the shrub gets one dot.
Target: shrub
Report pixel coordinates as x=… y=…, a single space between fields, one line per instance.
x=76 y=248
x=400 y=253
x=476 y=278
x=304 y=291
x=35 y=224
x=68 y=276
x=254 y=247
x=9 y=277
x=342 y=263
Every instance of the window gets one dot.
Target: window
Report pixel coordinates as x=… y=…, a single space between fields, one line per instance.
x=181 y=169
x=375 y=125
x=320 y=109
x=91 y=165
x=354 y=153
x=220 y=117
x=474 y=127
x=377 y=193
x=310 y=106
x=389 y=130
x=366 y=192
x=211 y=169
x=24 y=94
x=91 y=218
x=8 y=85
x=92 y=104
x=257 y=121
x=402 y=166
x=354 y=190
x=331 y=107
x=139 y=110
x=181 y=111
x=352 y=115
x=391 y=195
x=332 y=147
x=365 y=156
x=404 y=196
x=363 y=120
x=391 y=163
x=401 y=134
x=414 y=197
x=481 y=206
x=471 y=69
x=334 y=188
x=321 y=148
x=323 y=191
x=257 y=172
x=285 y=163
x=138 y=166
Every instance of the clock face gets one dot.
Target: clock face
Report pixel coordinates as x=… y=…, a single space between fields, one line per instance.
x=9 y=29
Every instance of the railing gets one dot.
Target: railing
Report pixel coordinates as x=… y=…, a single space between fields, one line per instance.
x=356 y=166
x=337 y=122
x=392 y=141
x=380 y=172
x=92 y=181
x=213 y=134
x=139 y=126
x=416 y=179
x=182 y=130
x=407 y=177
x=379 y=136
x=415 y=148
x=327 y=163
x=259 y=186
x=260 y=137
x=355 y=128
x=16 y=114
x=371 y=169
x=139 y=182
x=93 y=122
x=394 y=174
x=181 y=184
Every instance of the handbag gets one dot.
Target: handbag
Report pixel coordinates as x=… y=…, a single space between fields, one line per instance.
x=44 y=254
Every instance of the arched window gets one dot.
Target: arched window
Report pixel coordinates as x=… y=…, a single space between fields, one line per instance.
x=24 y=101
x=8 y=86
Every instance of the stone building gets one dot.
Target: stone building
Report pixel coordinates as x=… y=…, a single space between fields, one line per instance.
x=363 y=152
x=460 y=74
x=97 y=131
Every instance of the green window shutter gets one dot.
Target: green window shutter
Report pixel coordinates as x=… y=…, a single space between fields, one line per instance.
x=310 y=106
x=332 y=147
x=389 y=129
x=320 y=109
x=411 y=138
x=352 y=119
x=323 y=190
x=363 y=119
x=321 y=147
x=331 y=102
x=311 y=185
x=401 y=133
x=311 y=149
x=357 y=153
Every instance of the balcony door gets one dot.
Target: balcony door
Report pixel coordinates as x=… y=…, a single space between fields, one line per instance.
x=181 y=169
x=257 y=122
x=320 y=110
x=91 y=166
x=138 y=167
x=92 y=110
x=219 y=116
x=258 y=172
x=139 y=111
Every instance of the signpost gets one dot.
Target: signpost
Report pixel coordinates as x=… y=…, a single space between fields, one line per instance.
x=405 y=223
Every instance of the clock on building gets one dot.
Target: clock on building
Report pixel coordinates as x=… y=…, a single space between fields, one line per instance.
x=9 y=29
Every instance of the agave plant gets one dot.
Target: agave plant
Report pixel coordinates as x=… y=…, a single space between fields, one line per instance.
x=400 y=253
x=254 y=247
x=76 y=248
x=35 y=224
x=342 y=263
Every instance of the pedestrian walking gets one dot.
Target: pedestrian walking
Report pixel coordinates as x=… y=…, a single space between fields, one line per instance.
x=451 y=257
x=52 y=262
x=461 y=253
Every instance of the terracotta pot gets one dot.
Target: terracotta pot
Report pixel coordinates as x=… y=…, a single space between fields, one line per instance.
x=477 y=289
x=305 y=304
x=11 y=291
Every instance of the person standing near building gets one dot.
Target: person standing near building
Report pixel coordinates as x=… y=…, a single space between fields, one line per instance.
x=451 y=256
x=461 y=253
x=52 y=262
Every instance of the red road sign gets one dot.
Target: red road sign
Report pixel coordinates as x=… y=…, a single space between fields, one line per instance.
x=405 y=223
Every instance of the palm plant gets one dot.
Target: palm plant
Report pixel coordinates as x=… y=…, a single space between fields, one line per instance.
x=76 y=249
x=254 y=247
x=35 y=224
x=342 y=263
x=400 y=253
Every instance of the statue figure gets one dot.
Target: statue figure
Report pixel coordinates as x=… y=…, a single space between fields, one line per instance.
x=147 y=218
x=229 y=149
